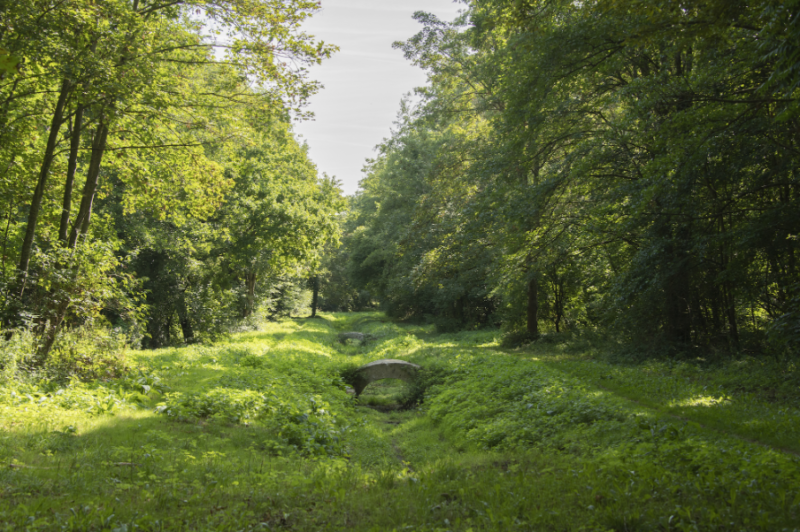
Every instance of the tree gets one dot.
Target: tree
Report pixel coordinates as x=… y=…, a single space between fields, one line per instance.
x=142 y=96
x=620 y=163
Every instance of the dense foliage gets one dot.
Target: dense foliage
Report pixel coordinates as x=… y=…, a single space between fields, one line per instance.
x=611 y=163
x=149 y=175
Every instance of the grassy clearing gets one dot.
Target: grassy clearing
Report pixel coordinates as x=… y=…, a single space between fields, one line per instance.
x=259 y=433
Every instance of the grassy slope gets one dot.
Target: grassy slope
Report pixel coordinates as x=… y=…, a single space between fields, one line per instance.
x=753 y=399
x=258 y=433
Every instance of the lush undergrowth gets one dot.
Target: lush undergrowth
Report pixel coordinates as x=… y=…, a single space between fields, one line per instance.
x=260 y=433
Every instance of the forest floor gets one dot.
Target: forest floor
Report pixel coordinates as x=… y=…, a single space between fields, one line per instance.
x=259 y=432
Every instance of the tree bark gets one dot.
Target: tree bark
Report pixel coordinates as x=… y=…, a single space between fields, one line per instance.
x=60 y=308
x=533 y=307
x=38 y=193
x=75 y=144
x=315 y=296
x=678 y=294
x=730 y=312
x=51 y=333
x=676 y=287
x=558 y=300
x=186 y=324
x=250 y=296
x=81 y=224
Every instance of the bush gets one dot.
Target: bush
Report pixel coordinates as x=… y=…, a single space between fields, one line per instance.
x=514 y=339
x=89 y=353
x=304 y=423
x=348 y=374
x=16 y=349
x=427 y=377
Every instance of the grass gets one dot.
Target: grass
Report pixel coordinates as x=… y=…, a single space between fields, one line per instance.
x=259 y=433
x=754 y=399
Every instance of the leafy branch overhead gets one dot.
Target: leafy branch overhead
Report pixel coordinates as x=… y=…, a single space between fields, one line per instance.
x=123 y=123
x=623 y=165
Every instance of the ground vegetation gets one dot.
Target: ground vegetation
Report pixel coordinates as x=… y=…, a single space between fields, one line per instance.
x=259 y=432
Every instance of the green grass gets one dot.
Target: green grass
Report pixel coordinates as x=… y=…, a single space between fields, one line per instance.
x=754 y=399
x=259 y=433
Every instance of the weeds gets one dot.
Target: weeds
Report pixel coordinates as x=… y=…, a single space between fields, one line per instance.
x=259 y=433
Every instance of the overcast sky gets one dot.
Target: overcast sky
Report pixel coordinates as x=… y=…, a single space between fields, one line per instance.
x=364 y=82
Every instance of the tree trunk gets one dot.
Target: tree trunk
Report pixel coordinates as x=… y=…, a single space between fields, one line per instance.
x=315 y=296
x=559 y=308
x=458 y=310
x=250 y=296
x=677 y=290
x=74 y=146
x=186 y=324
x=159 y=330
x=60 y=309
x=730 y=312
x=51 y=333
x=84 y=214
x=533 y=307
x=38 y=193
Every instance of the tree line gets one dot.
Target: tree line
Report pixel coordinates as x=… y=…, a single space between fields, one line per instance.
x=619 y=164
x=149 y=175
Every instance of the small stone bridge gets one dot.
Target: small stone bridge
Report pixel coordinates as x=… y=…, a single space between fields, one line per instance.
x=387 y=368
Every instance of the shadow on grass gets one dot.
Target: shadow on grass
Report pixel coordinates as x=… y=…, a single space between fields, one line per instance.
x=142 y=469
x=147 y=471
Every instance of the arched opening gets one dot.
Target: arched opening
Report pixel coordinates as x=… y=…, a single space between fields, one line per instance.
x=387 y=377
x=384 y=394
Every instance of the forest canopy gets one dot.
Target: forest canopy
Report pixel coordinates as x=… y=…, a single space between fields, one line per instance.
x=150 y=180
x=615 y=165
x=622 y=165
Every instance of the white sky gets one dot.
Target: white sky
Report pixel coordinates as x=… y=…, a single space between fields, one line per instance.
x=364 y=82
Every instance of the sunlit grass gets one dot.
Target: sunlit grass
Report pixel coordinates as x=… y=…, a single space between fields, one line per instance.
x=506 y=441
x=699 y=400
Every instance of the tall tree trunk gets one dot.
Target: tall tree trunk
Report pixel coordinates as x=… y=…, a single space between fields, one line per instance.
x=677 y=290
x=716 y=314
x=186 y=324
x=61 y=307
x=558 y=289
x=38 y=193
x=98 y=146
x=458 y=310
x=81 y=224
x=51 y=333
x=533 y=307
x=74 y=146
x=678 y=293
x=315 y=296
x=250 y=295
x=730 y=312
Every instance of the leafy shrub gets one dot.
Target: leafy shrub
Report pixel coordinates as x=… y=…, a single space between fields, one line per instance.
x=305 y=423
x=234 y=406
x=15 y=351
x=94 y=399
x=313 y=430
x=89 y=353
x=347 y=374
x=428 y=376
x=251 y=361
x=143 y=383
x=514 y=339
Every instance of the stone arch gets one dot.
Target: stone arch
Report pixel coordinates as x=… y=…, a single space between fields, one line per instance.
x=387 y=368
